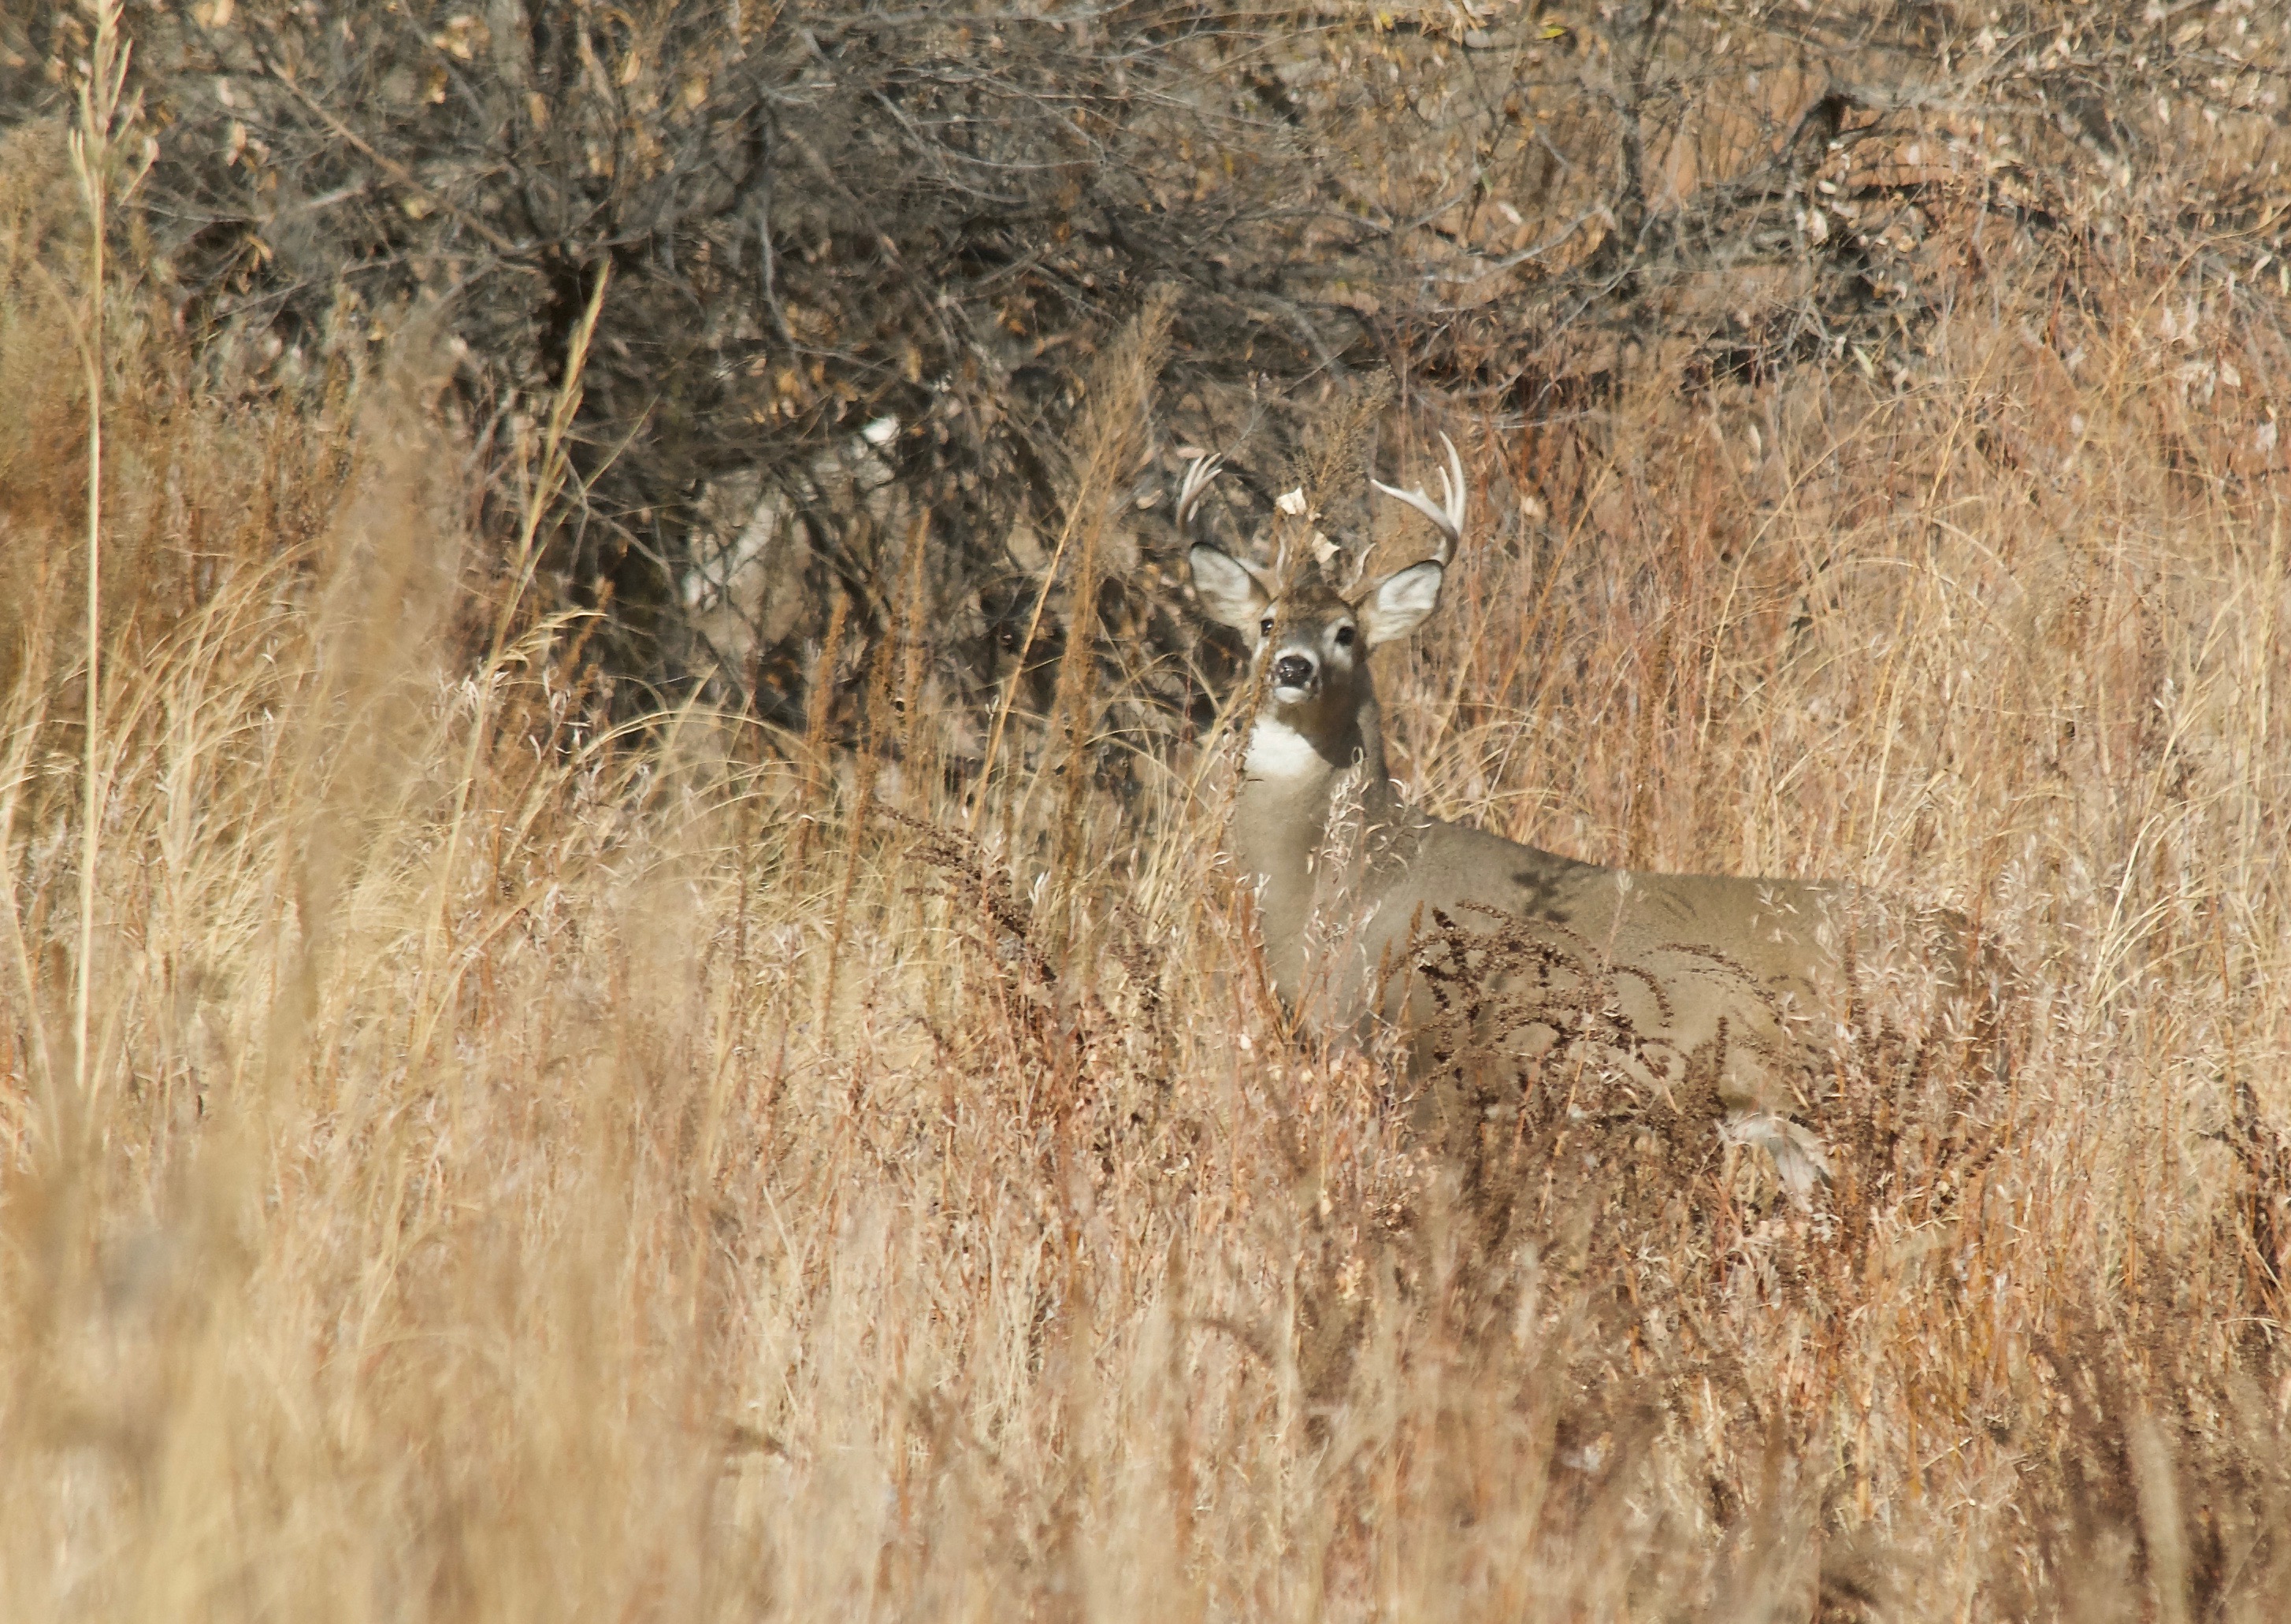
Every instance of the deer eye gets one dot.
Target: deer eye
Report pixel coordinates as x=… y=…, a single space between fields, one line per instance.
x=1264 y=625
x=1344 y=637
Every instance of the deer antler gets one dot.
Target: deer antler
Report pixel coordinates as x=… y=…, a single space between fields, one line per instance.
x=1199 y=472
x=1448 y=514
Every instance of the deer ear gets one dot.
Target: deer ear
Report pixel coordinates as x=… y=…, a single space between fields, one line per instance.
x=1399 y=602
x=1229 y=594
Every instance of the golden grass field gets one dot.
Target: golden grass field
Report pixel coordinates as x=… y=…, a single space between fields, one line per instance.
x=521 y=1169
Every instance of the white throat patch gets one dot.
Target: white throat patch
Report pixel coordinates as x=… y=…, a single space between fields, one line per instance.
x=1278 y=751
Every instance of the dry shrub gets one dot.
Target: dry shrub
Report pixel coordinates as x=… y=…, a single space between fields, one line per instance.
x=859 y=278
x=191 y=495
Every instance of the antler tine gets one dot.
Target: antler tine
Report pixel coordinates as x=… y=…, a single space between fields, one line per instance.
x=1448 y=513
x=1451 y=486
x=1199 y=472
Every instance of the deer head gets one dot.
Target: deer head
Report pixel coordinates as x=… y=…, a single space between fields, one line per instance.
x=1309 y=635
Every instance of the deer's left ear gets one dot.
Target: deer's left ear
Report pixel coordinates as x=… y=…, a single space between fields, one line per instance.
x=1400 y=603
x=1229 y=591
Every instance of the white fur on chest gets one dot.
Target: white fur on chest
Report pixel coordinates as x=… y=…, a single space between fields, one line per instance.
x=1280 y=753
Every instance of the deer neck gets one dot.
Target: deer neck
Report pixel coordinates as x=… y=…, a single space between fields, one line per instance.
x=1293 y=768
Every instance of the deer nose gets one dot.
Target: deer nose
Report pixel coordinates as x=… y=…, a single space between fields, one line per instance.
x=1291 y=671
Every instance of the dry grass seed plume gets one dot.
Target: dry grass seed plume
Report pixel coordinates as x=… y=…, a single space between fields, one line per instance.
x=516 y=1225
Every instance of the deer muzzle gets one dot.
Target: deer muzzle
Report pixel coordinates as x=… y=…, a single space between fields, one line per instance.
x=1292 y=672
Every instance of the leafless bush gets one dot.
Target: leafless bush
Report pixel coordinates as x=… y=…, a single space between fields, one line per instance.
x=860 y=255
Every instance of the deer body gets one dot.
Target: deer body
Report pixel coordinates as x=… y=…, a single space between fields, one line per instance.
x=1742 y=975
x=1417 y=866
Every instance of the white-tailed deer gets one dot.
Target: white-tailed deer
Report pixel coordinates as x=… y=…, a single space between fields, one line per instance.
x=1745 y=982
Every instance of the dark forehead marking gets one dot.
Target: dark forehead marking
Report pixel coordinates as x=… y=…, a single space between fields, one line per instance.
x=1313 y=594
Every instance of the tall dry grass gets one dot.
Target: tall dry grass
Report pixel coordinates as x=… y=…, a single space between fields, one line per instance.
x=529 y=1170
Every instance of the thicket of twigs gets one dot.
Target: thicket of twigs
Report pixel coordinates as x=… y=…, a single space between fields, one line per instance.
x=476 y=1144
x=860 y=256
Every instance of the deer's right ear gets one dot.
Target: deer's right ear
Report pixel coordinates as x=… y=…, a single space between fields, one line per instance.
x=1399 y=602
x=1229 y=594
